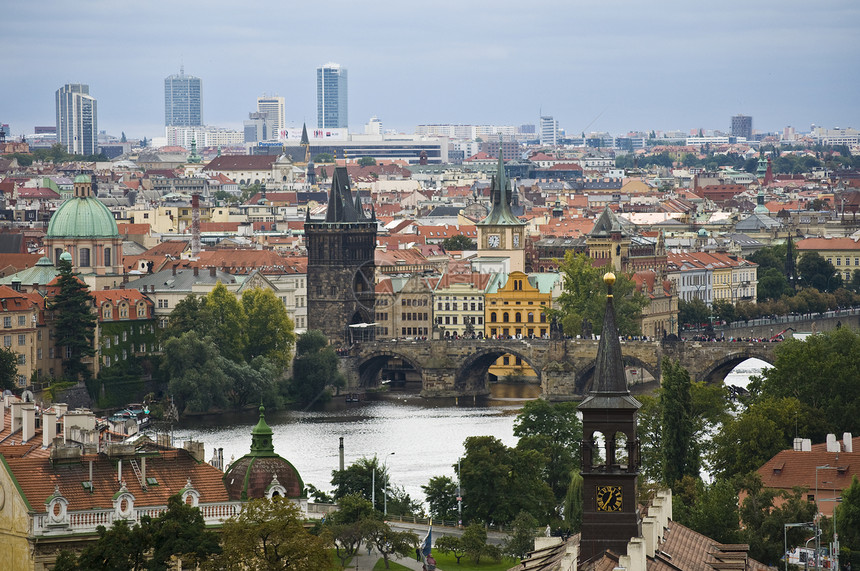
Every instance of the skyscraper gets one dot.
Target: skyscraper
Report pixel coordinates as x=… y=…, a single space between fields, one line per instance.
x=77 y=119
x=742 y=126
x=548 y=130
x=331 y=97
x=182 y=100
x=273 y=108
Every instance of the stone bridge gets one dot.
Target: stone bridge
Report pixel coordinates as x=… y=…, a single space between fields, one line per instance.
x=564 y=367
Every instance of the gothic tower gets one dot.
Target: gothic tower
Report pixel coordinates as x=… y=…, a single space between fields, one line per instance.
x=340 y=262
x=609 y=473
x=501 y=233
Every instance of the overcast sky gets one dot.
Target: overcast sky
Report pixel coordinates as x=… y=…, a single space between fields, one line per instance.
x=607 y=65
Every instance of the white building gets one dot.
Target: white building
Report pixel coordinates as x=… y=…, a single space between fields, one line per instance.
x=77 y=119
x=273 y=107
x=373 y=127
x=548 y=130
x=204 y=135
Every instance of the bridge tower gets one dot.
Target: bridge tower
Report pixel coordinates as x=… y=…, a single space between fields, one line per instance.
x=610 y=508
x=340 y=263
x=501 y=234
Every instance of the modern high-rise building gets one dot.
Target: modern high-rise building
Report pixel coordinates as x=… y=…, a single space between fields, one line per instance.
x=273 y=107
x=182 y=100
x=77 y=119
x=742 y=126
x=332 y=97
x=548 y=130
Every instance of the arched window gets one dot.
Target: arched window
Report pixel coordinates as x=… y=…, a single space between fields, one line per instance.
x=506 y=317
x=492 y=317
x=518 y=317
x=531 y=317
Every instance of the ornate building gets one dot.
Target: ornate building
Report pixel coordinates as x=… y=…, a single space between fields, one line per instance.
x=610 y=508
x=341 y=263
x=501 y=234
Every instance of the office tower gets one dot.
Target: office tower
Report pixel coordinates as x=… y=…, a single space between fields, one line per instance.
x=548 y=130
x=373 y=127
x=273 y=108
x=742 y=126
x=77 y=119
x=331 y=97
x=257 y=128
x=182 y=100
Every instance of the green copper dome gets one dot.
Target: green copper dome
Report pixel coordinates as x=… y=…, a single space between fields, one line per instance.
x=83 y=178
x=82 y=217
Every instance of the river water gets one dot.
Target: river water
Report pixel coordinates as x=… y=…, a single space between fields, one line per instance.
x=425 y=435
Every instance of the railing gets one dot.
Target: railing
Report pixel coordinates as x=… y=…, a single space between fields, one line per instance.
x=88 y=521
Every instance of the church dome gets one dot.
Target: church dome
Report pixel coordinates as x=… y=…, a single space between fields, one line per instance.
x=82 y=217
x=262 y=473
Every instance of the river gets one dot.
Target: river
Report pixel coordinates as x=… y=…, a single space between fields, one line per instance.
x=425 y=435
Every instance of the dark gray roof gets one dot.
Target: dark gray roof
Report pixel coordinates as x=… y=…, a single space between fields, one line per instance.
x=341 y=204
x=182 y=280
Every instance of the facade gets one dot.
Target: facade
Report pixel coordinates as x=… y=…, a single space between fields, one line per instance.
x=843 y=253
x=203 y=136
x=341 y=264
x=126 y=326
x=548 y=130
x=273 y=111
x=514 y=307
x=660 y=316
x=742 y=126
x=501 y=234
x=404 y=307
x=459 y=301
x=609 y=241
x=182 y=95
x=77 y=119
x=332 y=97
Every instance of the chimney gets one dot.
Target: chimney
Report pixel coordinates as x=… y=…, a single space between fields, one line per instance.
x=61 y=408
x=196 y=271
x=832 y=444
x=49 y=428
x=649 y=532
x=91 y=476
x=798 y=444
x=119 y=470
x=847 y=442
x=635 y=559
x=16 y=415
x=143 y=470
x=212 y=270
x=340 y=448
x=2 y=415
x=28 y=414
x=806 y=445
x=174 y=269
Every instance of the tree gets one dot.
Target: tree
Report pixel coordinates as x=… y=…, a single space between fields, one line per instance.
x=694 y=312
x=345 y=526
x=315 y=368
x=269 y=328
x=8 y=369
x=359 y=477
x=522 y=538
x=323 y=158
x=817 y=272
x=189 y=315
x=555 y=431
x=196 y=373
x=848 y=516
x=181 y=532
x=367 y=162
x=573 y=503
x=680 y=451
x=229 y=331
x=74 y=321
x=122 y=139
x=451 y=544
x=441 y=495
x=270 y=534
x=458 y=242
x=583 y=298
x=389 y=542
x=711 y=510
x=474 y=541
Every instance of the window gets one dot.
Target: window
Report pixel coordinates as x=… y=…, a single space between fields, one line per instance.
x=22 y=359
x=107 y=257
x=125 y=335
x=107 y=360
x=84 y=257
x=7 y=340
x=22 y=320
x=39 y=353
x=22 y=339
x=7 y=322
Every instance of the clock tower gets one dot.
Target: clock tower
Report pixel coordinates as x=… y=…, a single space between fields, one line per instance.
x=610 y=449
x=501 y=233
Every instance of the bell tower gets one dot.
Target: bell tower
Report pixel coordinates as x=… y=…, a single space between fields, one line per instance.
x=501 y=233
x=610 y=449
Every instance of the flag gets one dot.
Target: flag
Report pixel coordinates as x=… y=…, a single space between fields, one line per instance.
x=428 y=540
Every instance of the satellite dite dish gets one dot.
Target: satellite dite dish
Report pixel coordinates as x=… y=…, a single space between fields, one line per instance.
x=27 y=396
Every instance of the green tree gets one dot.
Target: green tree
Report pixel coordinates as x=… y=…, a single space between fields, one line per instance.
x=196 y=373
x=74 y=321
x=694 y=312
x=450 y=544
x=680 y=451
x=345 y=527
x=315 y=368
x=458 y=242
x=555 y=431
x=441 y=495
x=649 y=428
x=180 y=531
x=389 y=542
x=522 y=538
x=368 y=162
x=323 y=158
x=270 y=534
x=498 y=482
x=359 y=478
x=724 y=310
x=229 y=331
x=714 y=512
x=817 y=272
x=583 y=298
x=8 y=369
x=269 y=328
x=848 y=516
x=474 y=541
x=189 y=315
x=573 y=503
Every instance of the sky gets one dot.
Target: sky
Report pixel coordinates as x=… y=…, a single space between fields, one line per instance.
x=601 y=65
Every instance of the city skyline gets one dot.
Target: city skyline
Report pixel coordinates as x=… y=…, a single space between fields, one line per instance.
x=665 y=65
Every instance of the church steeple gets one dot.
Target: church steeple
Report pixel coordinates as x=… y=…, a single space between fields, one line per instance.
x=261 y=437
x=609 y=476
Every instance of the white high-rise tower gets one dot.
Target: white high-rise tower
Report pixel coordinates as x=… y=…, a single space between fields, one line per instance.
x=273 y=107
x=77 y=119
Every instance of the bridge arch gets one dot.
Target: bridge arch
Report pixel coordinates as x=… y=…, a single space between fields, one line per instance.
x=717 y=370
x=471 y=375
x=370 y=366
x=585 y=376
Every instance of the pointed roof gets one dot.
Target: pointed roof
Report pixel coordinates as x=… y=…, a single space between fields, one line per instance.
x=607 y=224
x=341 y=204
x=609 y=389
x=305 y=141
x=261 y=437
x=500 y=213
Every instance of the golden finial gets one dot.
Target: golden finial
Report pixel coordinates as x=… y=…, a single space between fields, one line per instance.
x=609 y=280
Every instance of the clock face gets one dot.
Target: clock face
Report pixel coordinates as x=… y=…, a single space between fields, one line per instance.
x=516 y=240
x=609 y=498
x=493 y=241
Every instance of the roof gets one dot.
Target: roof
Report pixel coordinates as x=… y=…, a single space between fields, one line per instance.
x=241 y=163
x=500 y=213
x=82 y=217
x=828 y=244
x=42 y=273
